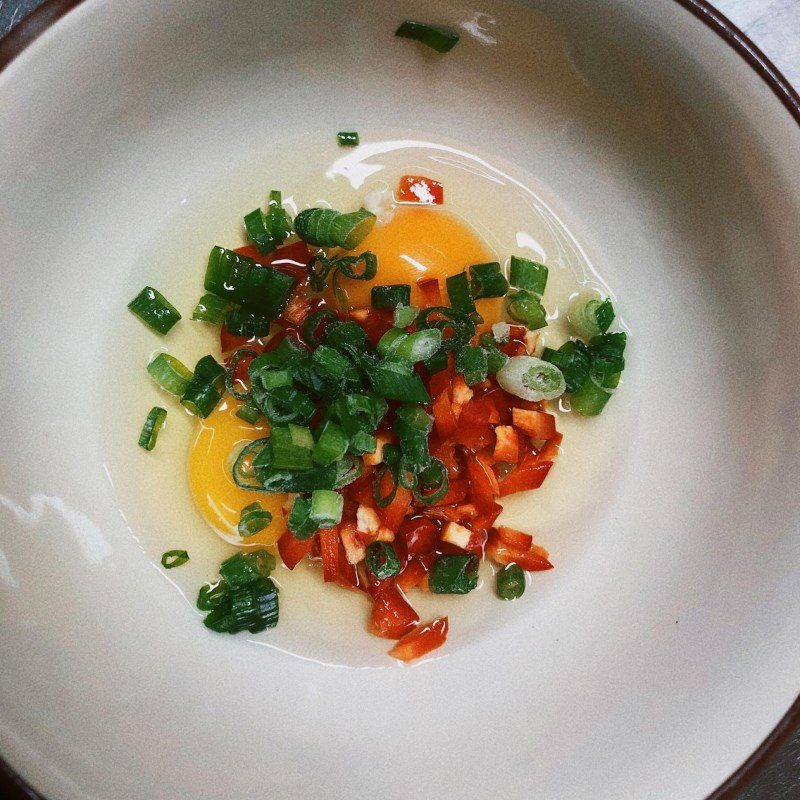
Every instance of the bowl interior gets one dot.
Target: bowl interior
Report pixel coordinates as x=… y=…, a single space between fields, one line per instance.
x=663 y=647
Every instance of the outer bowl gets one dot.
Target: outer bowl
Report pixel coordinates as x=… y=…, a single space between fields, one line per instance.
x=662 y=651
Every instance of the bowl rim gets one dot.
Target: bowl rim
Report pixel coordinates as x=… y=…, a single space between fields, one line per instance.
x=15 y=787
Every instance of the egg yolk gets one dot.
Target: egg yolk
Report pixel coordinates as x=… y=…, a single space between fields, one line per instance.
x=416 y=243
x=218 y=499
x=420 y=242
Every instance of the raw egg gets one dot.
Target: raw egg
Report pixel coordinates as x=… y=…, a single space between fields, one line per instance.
x=218 y=499
x=422 y=242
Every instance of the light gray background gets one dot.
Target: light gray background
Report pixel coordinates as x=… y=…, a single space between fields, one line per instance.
x=774 y=25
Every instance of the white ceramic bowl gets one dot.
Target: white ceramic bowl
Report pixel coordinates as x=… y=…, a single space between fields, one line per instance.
x=663 y=649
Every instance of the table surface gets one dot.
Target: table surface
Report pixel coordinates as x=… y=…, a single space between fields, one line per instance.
x=774 y=25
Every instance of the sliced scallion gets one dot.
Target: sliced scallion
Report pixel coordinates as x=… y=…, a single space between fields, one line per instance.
x=487 y=280
x=529 y=275
x=382 y=561
x=241 y=322
x=510 y=582
x=326 y=508
x=174 y=558
x=299 y=521
x=170 y=374
x=391 y=296
x=347 y=138
x=404 y=316
x=453 y=574
x=267 y=230
x=419 y=346
x=253 y=519
x=249 y=412
x=211 y=308
x=205 y=389
x=459 y=293
x=590 y=315
x=573 y=361
x=362 y=442
x=331 y=443
x=396 y=380
x=438 y=37
x=154 y=310
x=152 y=426
x=531 y=378
x=242 y=568
x=291 y=448
x=472 y=363
x=326 y=227
x=525 y=307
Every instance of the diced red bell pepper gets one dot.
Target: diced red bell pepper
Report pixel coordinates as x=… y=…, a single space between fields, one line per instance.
x=514 y=538
x=392 y=515
x=422 y=641
x=300 y=305
x=392 y=616
x=292 y=551
x=473 y=437
x=532 y=560
x=443 y=415
x=228 y=342
x=419 y=189
x=431 y=291
x=329 y=550
x=446 y=452
x=479 y=411
x=482 y=481
x=530 y=474
x=378 y=321
x=486 y=517
x=292 y=259
x=457 y=492
x=412 y=575
x=506 y=447
x=537 y=424
x=420 y=534
x=551 y=450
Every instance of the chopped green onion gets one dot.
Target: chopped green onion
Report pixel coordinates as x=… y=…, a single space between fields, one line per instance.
x=211 y=308
x=346 y=266
x=152 y=426
x=174 y=558
x=310 y=329
x=244 y=475
x=267 y=230
x=241 y=322
x=362 y=442
x=606 y=353
x=525 y=307
x=344 y=335
x=326 y=227
x=437 y=362
x=285 y=404
x=332 y=364
x=596 y=391
x=205 y=389
x=495 y=358
x=276 y=480
x=390 y=341
x=382 y=561
x=396 y=380
x=170 y=374
x=459 y=293
x=249 y=413
x=434 y=483
x=252 y=607
x=419 y=346
x=243 y=568
x=449 y=321
x=347 y=138
x=211 y=595
x=348 y=469
x=487 y=280
x=573 y=361
x=331 y=444
x=510 y=582
x=531 y=378
x=326 y=508
x=359 y=412
x=299 y=521
x=453 y=574
x=472 y=363
x=590 y=315
x=528 y=275
x=415 y=416
x=405 y=316
x=439 y=37
x=154 y=310
x=391 y=296
x=253 y=519
x=264 y=290
x=291 y=448
x=242 y=352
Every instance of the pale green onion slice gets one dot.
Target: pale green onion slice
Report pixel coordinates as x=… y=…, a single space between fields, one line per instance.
x=531 y=378
x=589 y=314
